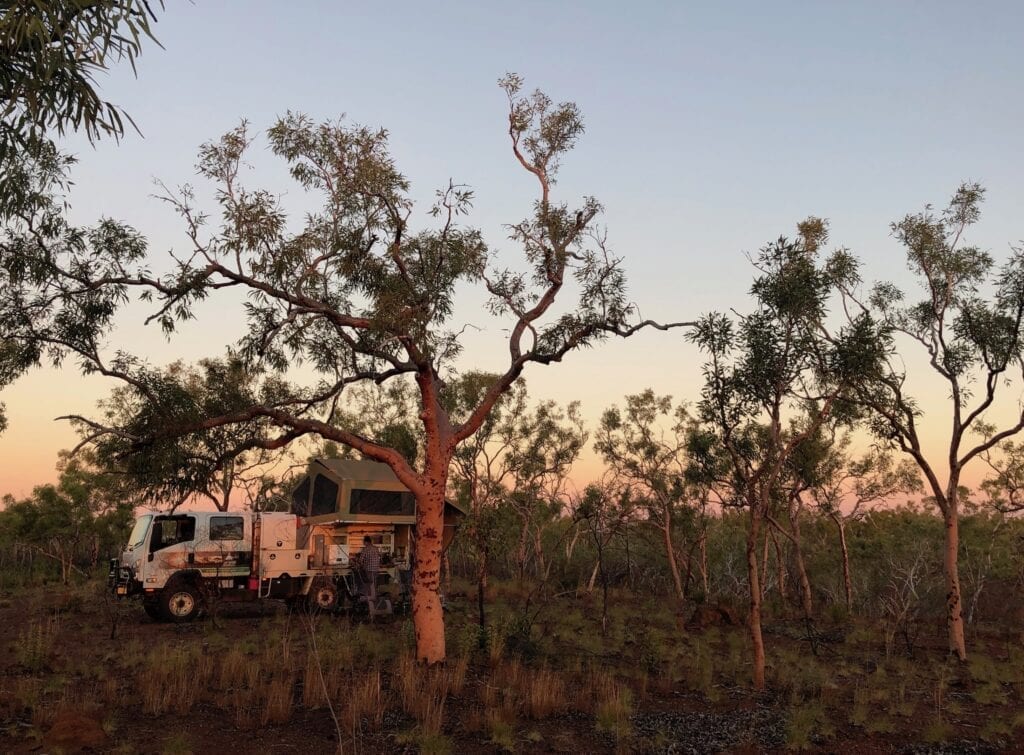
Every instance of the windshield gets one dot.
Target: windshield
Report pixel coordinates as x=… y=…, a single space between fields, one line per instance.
x=139 y=531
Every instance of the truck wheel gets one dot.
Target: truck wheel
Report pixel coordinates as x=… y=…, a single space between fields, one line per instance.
x=323 y=596
x=179 y=603
x=153 y=611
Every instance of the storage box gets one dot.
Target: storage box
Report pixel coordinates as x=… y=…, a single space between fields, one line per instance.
x=278 y=561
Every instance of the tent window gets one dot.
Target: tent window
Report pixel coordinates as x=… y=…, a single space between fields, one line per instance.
x=325 y=496
x=300 y=498
x=382 y=502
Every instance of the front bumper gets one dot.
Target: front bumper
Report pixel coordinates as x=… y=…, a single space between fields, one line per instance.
x=120 y=580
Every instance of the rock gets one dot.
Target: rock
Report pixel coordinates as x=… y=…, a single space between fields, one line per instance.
x=712 y=616
x=75 y=732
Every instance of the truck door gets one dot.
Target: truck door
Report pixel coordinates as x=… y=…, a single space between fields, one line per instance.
x=225 y=548
x=170 y=547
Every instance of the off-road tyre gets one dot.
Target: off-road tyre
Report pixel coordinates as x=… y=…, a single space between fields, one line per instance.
x=179 y=602
x=323 y=596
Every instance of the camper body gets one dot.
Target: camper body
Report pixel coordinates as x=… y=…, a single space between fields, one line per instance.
x=179 y=562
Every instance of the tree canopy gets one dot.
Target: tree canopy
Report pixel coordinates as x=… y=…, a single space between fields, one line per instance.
x=50 y=55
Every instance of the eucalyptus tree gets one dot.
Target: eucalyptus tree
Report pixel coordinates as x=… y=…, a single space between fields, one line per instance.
x=169 y=469
x=773 y=378
x=73 y=522
x=514 y=469
x=479 y=474
x=355 y=291
x=645 y=446
x=839 y=480
x=967 y=326
x=50 y=55
x=605 y=508
x=1004 y=488
x=541 y=446
x=801 y=473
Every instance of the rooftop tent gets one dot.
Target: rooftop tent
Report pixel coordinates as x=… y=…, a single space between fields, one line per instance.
x=351 y=490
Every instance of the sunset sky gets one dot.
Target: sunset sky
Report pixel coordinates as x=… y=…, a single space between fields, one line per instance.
x=712 y=128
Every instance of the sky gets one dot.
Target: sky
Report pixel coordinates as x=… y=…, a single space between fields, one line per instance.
x=712 y=128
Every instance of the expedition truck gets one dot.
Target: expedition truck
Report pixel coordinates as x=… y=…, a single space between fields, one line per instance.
x=176 y=562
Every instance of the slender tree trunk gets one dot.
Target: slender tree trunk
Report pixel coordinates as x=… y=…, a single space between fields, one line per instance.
x=538 y=551
x=629 y=561
x=954 y=614
x=570 y=547
x=780 y=571
x=756 y=640
x=227 y=482
x=522 y=549
x=798 y=553
x=670 y=550
x=704 y=562
x=688 y=569
x=764 y=568
x=604 y=584
x=593 y=576
x=847 y=579
x=481 y=587
x=427 y=617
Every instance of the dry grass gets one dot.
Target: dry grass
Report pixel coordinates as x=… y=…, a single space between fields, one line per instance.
x=313 y=693
x=423 y=692
x=264 y=674
x=365 y=702
x=544 y=693
x=172 y=679
x=114 y=692
x=234 y=668
x=277 y=707
x=35 y=644
x=613 y=705
x=501 y=727
x=258 y=688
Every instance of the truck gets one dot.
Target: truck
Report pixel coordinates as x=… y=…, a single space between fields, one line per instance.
x=179 y=562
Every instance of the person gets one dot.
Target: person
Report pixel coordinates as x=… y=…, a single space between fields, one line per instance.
x=369 y=564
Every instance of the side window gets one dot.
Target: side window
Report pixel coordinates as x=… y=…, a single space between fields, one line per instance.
x=226 y=528
x=171 y=531
x=325 y=496
x=382 y=502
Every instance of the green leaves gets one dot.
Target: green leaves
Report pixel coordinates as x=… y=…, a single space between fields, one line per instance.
x=152 y=430
x=960 y=329
x=644 y=445
x=544 y=131
x=52 y=52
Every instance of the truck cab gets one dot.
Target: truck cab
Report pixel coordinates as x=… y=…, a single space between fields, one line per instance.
x=200 y=549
